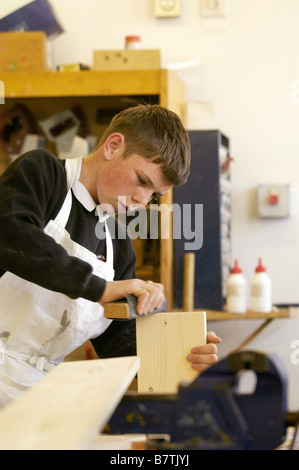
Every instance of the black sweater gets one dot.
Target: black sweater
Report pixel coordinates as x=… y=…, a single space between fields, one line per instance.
x=32 y=191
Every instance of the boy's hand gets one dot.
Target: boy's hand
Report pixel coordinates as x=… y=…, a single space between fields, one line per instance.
x=202 y=357
x=149 y=294
x=149 y=297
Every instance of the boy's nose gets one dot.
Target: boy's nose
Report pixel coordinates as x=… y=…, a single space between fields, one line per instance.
x=142 y=197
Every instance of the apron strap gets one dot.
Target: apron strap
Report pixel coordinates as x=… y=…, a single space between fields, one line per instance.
x=72 y=168
x=63 y=215
x=40 y=362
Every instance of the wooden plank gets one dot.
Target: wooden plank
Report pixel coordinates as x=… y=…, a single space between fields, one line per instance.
x=172 y=96
x=166 y=246
x=83 y=83
x=213 y=315
x=66 y=409
x=119 y=442
x=188 y=281
x=23 y=51
x=117 y=310
x=163 y=342
x=173 y=92
x=126 y=59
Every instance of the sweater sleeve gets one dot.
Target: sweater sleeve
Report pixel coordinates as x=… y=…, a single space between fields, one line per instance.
x=32 y=191
x=120 y=337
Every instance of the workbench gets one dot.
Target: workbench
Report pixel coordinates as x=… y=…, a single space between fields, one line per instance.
x=69 y=408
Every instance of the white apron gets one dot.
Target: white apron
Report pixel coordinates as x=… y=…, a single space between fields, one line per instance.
x=39 y=327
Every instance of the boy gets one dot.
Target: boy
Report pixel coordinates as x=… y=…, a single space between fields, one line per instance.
x=56 y=272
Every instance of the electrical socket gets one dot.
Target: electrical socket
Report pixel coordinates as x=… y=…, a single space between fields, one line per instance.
x=214 y=8
x=167 y=8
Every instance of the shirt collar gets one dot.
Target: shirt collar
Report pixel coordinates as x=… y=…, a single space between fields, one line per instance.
x=83 y=196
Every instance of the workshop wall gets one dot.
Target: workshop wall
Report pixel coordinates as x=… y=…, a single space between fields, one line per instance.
x=248 y=63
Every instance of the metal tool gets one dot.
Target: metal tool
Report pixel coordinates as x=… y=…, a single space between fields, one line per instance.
x=127 y=309
x=213 y=412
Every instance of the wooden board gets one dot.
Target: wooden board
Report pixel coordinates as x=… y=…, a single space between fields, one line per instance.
x=214 y=315
x=163 y=342
x=80 y=84
x=126 y=59
x=117 y=310
x=67 y=408
x=23 y=51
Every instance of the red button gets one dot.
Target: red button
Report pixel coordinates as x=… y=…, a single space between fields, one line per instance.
x=274 y=199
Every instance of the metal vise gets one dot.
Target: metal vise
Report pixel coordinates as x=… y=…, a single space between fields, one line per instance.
x=213 y=412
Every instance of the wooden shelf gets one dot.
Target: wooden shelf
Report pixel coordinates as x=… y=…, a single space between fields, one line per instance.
x=213 y=315
x=83 y=83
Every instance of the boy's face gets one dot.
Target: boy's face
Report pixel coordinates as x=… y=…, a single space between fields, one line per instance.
x=126 y=183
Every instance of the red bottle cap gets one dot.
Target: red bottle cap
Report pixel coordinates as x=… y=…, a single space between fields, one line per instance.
x=236 y=269
x=133 y=38
x=260 y=268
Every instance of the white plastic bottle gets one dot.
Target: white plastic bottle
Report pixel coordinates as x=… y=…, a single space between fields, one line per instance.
x=236 y=300
x=261 y=290
x=133 y=42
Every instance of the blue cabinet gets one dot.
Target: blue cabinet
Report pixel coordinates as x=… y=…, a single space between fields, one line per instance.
x=207 y=233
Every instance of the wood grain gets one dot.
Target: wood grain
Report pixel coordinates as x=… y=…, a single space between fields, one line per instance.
x=188 y=286
x=215 y=315
x=117 y=310
x=67 y=408
x=163 y=342
x=84 y=83
x=25 y=51
x=126 y=59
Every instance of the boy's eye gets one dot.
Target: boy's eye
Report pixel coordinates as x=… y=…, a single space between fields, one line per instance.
x=155 y=197
x=141 y=180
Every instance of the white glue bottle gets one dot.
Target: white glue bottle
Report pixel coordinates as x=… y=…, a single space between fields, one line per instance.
x=261 y=290
x=236 y=300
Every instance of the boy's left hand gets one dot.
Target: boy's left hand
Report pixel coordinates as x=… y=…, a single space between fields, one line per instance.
x=202 y=357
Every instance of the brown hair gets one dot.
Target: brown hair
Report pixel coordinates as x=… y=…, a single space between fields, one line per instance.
x=156 y=133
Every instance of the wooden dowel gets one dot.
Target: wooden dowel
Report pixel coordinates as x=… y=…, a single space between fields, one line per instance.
x=188 y=290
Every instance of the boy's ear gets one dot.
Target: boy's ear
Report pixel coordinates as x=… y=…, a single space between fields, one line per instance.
x=114 y=143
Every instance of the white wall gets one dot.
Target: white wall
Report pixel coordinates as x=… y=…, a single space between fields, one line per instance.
x=247 y=65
